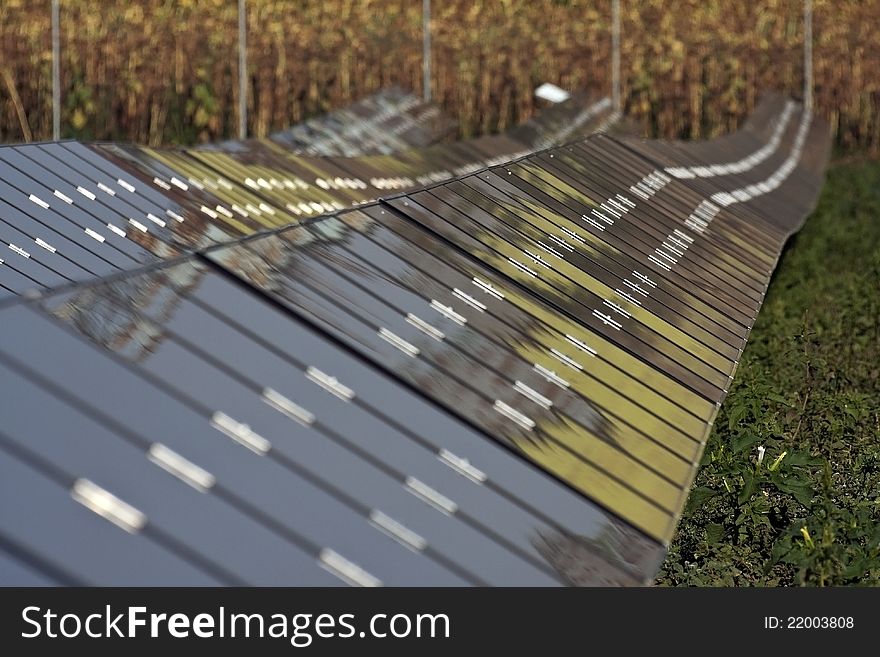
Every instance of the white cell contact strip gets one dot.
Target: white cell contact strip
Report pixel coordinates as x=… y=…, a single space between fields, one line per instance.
x=533 y=395
x=424 y=327
x=329 y=383
x=240 y=433
x=106 y=189
x=45 y=245
x=566 y=360
x=745 y=164
x=551 y=376
x=430 y=496
x=674 y=246
x=94 y=235
x=20 y=251
x=468 y=299
x=448 y=312
x=289 y=408
x=180 y=467
x=395 y=340
x=523 y=268
x=487 y=288
x=36 y=199
x=511 y=413
x=108 y=506
x=63 y=197
x=462 y=465
x=397 y=531
x=125 y=185
x=346 y=570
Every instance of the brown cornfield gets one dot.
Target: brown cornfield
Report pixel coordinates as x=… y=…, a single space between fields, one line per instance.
x=164 y=71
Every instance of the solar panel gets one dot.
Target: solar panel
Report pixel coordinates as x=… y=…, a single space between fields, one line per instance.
x=412 y=496
x=389 y=121
x=504 y=378
x=73 y=211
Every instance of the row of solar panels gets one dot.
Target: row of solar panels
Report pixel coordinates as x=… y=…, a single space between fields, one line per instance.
x=71 y=211
x=389 y=121
x=506 y=378
x=392 y=121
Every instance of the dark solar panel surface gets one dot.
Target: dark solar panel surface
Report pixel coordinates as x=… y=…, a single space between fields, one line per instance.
x=503 y=378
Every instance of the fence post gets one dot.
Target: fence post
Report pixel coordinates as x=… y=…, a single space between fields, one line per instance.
x=56 y=70
x=242 y=69
x=615 y=55
x=426 y=50
x=808 y=54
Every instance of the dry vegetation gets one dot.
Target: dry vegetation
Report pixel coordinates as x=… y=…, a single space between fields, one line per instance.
x=160 y=71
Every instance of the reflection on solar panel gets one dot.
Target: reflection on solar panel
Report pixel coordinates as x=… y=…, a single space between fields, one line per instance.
x=506 y=378
x=70 y=211
x=388 y=121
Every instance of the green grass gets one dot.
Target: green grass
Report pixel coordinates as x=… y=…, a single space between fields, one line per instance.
x=808 y=391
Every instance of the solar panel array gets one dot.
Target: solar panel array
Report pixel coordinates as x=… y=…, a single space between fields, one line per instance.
x=389 y=121
x=503 y=378
x=71 y=211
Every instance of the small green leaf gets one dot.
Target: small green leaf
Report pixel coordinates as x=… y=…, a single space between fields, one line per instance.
x=744 y=441
x=803 y=459
x=855 y=569
x=714 y=533
x=799 y=488
x=751 y=483
x=779 y=399
x=699 y=496
x=736 y=414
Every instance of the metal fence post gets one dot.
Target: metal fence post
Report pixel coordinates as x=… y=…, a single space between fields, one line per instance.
x=426 y=49
x=808 y=54
x=615 y=55
x=56 y=70
x=242 y=69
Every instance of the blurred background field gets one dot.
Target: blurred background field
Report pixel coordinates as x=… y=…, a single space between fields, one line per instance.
x=164 y=71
